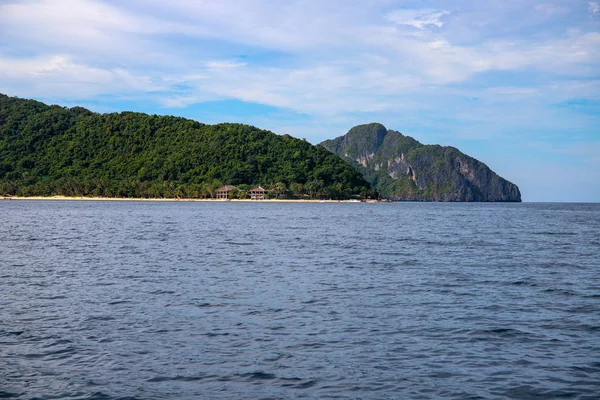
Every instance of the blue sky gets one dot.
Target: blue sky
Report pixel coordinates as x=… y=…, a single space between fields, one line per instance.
x=515 y=84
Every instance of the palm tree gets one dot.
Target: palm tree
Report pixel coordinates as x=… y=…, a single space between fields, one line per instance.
x=279 y=188
x=297 y=189
x=314 y=187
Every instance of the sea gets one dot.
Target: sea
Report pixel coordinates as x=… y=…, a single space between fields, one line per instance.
x=195 y=300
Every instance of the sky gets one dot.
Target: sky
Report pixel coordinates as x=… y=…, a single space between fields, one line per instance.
x=513 y=83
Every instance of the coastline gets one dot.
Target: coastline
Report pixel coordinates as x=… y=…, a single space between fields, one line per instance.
x=69 y=198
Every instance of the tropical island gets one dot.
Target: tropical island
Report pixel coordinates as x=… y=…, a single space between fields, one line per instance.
x=52 y=150
x=49 y=150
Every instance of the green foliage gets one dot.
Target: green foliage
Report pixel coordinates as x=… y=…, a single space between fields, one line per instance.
x=401 y=168
x=47 y=150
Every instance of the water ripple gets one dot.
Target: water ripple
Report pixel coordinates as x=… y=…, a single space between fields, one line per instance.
x=116 y=300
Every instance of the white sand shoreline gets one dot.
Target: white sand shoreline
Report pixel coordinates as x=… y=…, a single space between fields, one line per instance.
x=177 y=200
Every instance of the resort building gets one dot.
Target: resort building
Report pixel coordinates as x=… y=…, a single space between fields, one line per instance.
x=257 y=193
x=224 y=191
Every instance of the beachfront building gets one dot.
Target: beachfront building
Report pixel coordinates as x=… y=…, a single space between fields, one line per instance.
x=257 y=193
x=225 y=191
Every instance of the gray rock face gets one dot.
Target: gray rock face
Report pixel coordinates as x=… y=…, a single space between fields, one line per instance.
x=401 y=168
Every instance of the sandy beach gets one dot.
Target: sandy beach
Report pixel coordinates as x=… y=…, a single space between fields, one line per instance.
x=179 y=200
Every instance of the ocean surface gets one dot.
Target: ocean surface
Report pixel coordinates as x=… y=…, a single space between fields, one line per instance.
x=147 y=300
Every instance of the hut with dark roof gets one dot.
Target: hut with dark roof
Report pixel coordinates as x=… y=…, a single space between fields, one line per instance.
x=224 y=191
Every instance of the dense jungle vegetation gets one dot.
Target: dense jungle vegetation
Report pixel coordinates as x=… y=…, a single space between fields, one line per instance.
x=47 y=150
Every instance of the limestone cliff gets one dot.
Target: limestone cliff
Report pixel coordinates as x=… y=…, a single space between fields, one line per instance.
x=401 y=168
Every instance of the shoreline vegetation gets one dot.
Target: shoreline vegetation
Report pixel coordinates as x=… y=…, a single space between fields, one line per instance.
x=83 y=198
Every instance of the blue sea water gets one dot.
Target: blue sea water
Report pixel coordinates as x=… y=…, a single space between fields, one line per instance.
x=140 y=300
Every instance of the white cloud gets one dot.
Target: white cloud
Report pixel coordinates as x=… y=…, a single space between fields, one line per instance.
x=219 y=65
x=91 y=29
x=418 y=18
x=184 y=101
x=594 y=7
x=340 y=56
x=60 y=75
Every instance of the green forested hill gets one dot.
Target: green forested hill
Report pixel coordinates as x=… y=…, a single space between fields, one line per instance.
x=47 y=150
x=401 y=168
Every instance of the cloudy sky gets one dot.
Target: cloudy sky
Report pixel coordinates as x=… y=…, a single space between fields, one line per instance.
x=514 y=83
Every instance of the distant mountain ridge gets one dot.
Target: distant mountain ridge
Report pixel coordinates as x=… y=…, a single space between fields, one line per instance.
x=401 y=168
